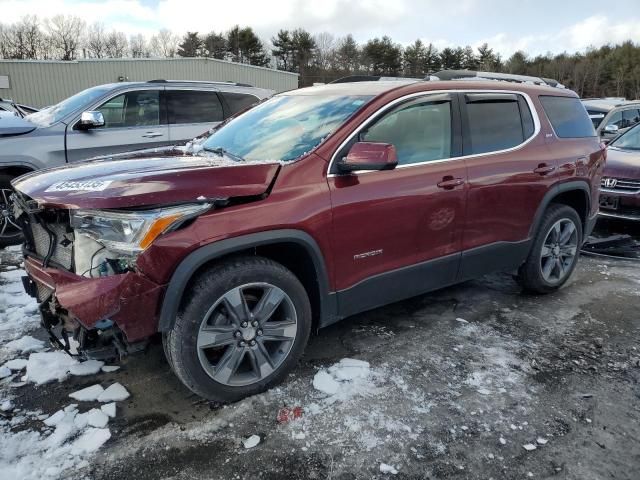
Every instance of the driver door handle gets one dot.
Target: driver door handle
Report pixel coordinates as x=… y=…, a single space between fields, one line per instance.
x=152 y=134
x=448 y=182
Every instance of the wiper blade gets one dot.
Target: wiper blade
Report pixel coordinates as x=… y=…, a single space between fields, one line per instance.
x=223 y=152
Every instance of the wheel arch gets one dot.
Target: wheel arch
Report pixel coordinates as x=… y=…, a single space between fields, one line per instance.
x=575 y=194
x=15 y=170
x=294 y=249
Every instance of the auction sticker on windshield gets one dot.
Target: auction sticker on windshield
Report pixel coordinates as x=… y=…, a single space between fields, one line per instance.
x=86 y=186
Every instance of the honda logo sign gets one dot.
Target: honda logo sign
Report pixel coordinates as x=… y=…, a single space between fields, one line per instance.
x=610 y=182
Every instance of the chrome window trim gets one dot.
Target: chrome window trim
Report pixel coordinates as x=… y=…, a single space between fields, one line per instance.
x=388 y=106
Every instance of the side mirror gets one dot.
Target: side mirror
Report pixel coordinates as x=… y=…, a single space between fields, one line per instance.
x=91 y=120
x=611 y=128
x=369 y=156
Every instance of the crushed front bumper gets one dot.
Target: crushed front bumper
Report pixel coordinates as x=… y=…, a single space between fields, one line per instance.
x=126 y=302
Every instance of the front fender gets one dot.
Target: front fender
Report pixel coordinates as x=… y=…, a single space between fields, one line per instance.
x=189 y=265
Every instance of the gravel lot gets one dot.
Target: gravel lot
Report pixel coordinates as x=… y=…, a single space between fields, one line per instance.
x=474 y=381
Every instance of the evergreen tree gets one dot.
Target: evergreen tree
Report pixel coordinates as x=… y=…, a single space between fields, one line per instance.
x=415 y=59
x=191 y=45
x=348 y=55
x=215 y=46
x=383 y=57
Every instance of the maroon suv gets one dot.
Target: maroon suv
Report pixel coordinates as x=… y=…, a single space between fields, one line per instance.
x=315 y=205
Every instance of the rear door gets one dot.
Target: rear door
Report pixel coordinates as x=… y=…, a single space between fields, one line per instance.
x=510 y=169
x=192 y=112
x=397 y=233
x=133 y=120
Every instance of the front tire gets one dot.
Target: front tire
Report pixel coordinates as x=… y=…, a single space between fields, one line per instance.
x=242 y=327
x=554 y=252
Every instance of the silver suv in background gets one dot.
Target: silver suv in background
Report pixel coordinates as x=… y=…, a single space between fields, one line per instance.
x=110 y=119
x=612 y=116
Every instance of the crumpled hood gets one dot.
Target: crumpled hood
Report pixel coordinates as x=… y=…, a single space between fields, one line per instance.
x=11 y=125
x=146 y=179
x=622 y=163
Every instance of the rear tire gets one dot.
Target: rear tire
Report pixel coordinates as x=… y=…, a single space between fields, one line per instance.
x=9 y=232
x=243 y=325
x=554 y=252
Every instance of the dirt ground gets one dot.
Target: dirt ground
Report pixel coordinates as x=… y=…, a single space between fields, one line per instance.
x=461 y=381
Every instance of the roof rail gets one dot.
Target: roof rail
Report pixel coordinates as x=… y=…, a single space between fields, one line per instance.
x=372 y=78
x=218 y=82
x=504 y=77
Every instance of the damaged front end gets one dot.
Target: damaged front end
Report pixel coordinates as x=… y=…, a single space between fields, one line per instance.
x=81 y=267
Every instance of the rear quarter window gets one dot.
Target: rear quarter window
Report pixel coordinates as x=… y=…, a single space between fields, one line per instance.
x=238 y=101
x=568 y=116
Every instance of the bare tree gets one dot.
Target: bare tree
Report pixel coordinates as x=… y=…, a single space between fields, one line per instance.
x=32 y=37
x=12 y=43
x=65 y=33
x=116 y=45
x=325 y=50
x=138 y=46
x=164 y=44
x=96 y=41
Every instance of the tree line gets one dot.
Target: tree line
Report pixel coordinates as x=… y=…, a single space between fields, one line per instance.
x=611 y=70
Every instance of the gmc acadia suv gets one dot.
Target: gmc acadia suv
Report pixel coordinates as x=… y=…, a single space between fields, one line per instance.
x=313 y=206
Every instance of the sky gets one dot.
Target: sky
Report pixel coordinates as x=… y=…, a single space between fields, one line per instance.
x=537 y=27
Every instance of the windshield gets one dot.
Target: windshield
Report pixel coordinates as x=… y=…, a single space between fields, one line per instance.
x=285 y=127
x=630 y=140
x=50 y=115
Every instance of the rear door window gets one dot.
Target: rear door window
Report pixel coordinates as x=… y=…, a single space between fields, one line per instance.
x=568 y=117
x=497 y=121
x=192 y=106
x=238 y=101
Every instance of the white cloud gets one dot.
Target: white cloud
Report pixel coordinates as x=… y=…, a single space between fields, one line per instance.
x=451 y=23
x=599 y=30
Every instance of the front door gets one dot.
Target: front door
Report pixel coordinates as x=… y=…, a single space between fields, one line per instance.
x=133 y=120
x=398 y=233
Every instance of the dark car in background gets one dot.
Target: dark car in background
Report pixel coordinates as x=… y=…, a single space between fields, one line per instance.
x=620 y=188
x=110 y=119
x=612 y=116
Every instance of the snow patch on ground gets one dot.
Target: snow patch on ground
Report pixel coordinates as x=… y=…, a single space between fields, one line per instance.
x=48 y=452
x=88 y=394
x=346 y=379
x=45 y=367
x=25 y=344
x=114 y=393
x=90 y=367
x=18 y=311
x=494 y=369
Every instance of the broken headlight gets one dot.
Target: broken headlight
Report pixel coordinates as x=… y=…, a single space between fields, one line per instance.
x=130 y=232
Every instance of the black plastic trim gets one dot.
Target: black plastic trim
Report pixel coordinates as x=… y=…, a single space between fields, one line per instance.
x=556 y=190
x=399 y=284
x=199 y=257
x=495 y=257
